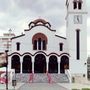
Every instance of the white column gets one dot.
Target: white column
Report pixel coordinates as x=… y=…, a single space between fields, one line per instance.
x=58 y=65
x=41 y=45
x=9 y=62
x=47 y=61
x=33 y=64
x=21 y=62
x=37 y=45
x=9 y=68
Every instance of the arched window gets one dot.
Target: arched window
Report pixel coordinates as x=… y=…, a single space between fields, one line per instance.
x=61 y=46
x=18 y=46
x=15 y=63
x=44 y=45
x=80 y=4
x=75 y=4
x=77 y=44
x=35 y=45
x=39 y=41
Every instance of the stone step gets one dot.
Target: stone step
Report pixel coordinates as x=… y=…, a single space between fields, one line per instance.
x=59 y=78
x=42 y=78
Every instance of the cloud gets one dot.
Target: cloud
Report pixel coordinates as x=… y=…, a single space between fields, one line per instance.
x=3 y=5
x=17 y=11
x=17 y=14
x=37 y=5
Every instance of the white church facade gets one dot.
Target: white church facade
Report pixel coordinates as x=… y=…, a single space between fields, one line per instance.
x=41 y=51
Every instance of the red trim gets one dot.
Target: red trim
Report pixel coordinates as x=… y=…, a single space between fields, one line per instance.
x=60 y=37
x=65 y=54
x=39 y=35
x=40 y=25
x=38 y=53
x=18 y=36
x=15 y=53
x=42 y=21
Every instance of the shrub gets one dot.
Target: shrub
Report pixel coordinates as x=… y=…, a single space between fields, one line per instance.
x=85 y=88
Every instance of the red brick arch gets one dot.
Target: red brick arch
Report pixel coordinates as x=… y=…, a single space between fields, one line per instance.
x=39 y=35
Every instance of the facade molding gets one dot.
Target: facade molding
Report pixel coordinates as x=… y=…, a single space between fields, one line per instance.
x=39 y=52
x=18 y=36
x=40 y=25
x=60 y=37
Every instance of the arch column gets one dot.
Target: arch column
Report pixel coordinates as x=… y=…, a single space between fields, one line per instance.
x=33 y=58
x=9 y=61
x=41 y=45
x=47 y=61
x=21 y=61
x=58 y=65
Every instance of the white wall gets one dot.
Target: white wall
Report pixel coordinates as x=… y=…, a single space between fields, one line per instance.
x=77 y=66
x=27 y=46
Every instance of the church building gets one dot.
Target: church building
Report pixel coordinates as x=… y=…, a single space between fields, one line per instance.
x=40 y=50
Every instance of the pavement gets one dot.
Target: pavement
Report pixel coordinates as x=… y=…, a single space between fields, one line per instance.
x=10 y=87
x=34 y=86
x=45 y=86
x=80 y=86
x=42 y=86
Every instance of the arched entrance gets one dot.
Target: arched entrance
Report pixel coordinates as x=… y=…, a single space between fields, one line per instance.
x=27 y=64
x=64 y=64
x=53 y=64
x=40 y=64
x=15 y=63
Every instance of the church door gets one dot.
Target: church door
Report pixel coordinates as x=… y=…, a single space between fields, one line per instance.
x=53 y=64
x=64 y=64
x=27 y=64
x=15 y=63
x=40 y=64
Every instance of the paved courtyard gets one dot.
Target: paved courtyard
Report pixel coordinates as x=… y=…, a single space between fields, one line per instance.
x=35 y=86
x=41 y=86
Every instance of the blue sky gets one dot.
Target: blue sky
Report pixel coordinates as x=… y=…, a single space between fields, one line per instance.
x=17 y=14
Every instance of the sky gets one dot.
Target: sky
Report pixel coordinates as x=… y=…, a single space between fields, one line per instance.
x=17 y=14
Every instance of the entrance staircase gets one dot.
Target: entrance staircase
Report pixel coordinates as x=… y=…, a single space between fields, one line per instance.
x=42 y=78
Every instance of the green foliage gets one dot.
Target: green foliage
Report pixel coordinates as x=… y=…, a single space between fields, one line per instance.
x=85 y=88
x=82 y=89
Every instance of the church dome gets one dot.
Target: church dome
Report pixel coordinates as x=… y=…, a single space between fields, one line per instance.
x=38 y=22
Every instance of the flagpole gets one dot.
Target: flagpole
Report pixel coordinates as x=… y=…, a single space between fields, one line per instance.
x=6 y=51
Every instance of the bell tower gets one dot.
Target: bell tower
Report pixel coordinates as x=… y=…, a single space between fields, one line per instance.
x=76 y=24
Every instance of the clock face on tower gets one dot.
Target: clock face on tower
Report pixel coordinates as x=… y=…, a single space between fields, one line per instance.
x=77 y=19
